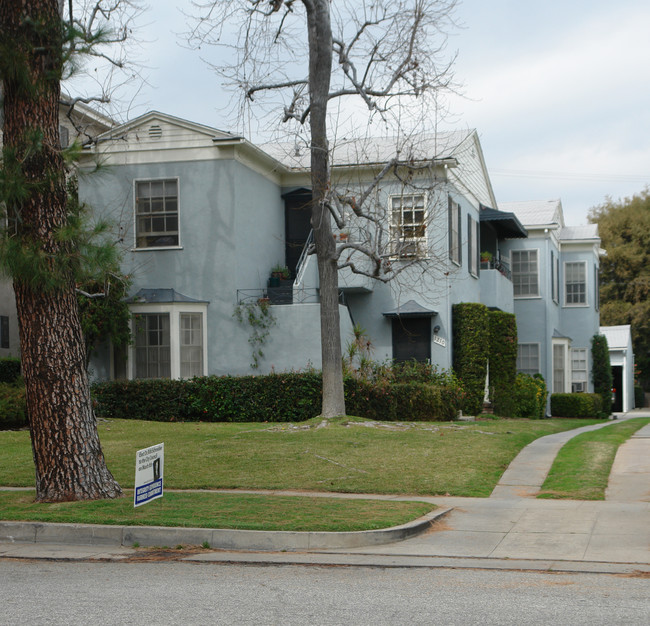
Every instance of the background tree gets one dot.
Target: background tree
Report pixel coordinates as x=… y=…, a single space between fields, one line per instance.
x=308 y=53
x=41 y=246
x=624 y=229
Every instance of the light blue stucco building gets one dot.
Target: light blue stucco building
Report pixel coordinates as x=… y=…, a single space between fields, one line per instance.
x=204 y=216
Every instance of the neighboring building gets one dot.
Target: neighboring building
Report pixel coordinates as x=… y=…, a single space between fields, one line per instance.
x=621 y=356
x=556 y=297
x=83 y=124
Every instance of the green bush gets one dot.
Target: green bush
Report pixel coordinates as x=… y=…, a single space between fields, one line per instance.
x=13 y=408
x=576 y=405
x=162 y=400
x=273 y=398
x=503 y=361
x=414 y=401
x=601 y=372
x=639 y=397
x=529 y=395
x=9 y=369
x=471 y=348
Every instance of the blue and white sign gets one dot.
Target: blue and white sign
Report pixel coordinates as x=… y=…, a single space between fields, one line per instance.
x=149 y=465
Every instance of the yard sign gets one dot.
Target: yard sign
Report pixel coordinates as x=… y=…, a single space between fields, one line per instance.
x=149 y=465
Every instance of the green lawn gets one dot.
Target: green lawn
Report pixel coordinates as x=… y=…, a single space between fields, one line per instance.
x=581 y=469
x=462 y=459
x=218 y=510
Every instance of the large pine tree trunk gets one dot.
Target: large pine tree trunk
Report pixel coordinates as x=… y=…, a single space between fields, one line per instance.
x=68 y=459
x=320 y=71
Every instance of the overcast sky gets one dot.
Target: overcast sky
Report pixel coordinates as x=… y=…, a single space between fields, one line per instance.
x=559 y=91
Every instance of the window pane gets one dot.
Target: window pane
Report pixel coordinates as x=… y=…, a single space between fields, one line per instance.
x=152 y=354
x=160 y=199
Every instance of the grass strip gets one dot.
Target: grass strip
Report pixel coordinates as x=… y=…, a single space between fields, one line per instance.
x=349 y=455
x=217 y=510
x=581 y=469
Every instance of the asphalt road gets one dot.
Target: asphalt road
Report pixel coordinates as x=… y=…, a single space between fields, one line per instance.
x=49 y=592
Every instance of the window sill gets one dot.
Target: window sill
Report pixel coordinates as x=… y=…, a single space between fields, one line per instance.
x=156 y=249
x=575 y=306
x=527 y=297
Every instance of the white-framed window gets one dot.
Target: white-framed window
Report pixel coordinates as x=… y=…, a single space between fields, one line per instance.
x=560 y=365
x=169 y=340
x=156 y=213
x=596 y=288
x=578 y=369
x=473 y=245
x=525 y=273
x=152 y=345
x=528 y=358
x=409 y=225
x=455 y=232
x=191 y=341
x=575 y=283
x=555 y=277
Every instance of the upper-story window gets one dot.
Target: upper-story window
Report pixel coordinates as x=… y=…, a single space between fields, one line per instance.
x=575 y=283
x=472 y=245
x=525 y=273
x=555 y=277
x=156 y=213
x=455 y=232
x=408 y=225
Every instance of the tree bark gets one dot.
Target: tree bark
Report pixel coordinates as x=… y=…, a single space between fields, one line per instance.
x=320 y=71
x=68 y=459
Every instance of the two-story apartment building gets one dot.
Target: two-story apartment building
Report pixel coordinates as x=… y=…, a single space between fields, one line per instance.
x=205 y=215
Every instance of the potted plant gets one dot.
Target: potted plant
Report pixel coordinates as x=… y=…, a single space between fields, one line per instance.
x=486 y=257
x=278 y=273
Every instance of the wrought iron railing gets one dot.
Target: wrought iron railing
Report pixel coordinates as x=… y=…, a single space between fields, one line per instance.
x=501 y=265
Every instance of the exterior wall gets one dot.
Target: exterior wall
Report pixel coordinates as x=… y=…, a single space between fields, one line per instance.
x=544 y=321
x=231 y=233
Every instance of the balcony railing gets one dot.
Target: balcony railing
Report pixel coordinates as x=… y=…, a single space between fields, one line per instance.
x=501 y=265
x=275 y=295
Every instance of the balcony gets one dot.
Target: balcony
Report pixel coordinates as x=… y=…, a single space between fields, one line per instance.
x=496 y=285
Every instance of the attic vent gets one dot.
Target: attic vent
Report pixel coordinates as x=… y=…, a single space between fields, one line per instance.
x=155 y=132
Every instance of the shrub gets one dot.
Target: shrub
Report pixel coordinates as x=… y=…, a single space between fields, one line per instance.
x=160 y=399
x=503 y=361
x=576 y=405
x=413 y=401
x=289 y=396
x=601 y=372
x=471 y=346
x=273 y=398
x=13 y=407
x=639 y=397
x=530 y=396
x=9 y=369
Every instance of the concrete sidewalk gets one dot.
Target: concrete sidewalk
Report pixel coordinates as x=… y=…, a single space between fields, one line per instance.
x=510 y=530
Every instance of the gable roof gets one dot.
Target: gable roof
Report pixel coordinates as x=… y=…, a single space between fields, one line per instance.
x=579 y=233
x=150 y=119
x=536 y=213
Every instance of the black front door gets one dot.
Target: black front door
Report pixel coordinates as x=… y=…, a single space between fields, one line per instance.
x=412 y=339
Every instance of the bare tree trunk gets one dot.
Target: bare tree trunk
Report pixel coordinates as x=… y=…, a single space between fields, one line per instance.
x=68 y=459
x=320 y=70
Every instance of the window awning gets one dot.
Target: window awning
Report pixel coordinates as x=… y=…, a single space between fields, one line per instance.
x=410 y=309
x=506 y=224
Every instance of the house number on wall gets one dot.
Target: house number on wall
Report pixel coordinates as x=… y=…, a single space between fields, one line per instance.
x=440 y=341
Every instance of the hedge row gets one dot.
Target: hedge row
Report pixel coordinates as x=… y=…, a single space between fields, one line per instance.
x=502 y=361
x=9 y=369
x=576 y=405
x=471 y=343
x=272 y=398
x=13 y=409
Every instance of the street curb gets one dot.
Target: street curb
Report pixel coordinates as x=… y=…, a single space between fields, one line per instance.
x=218 y=538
